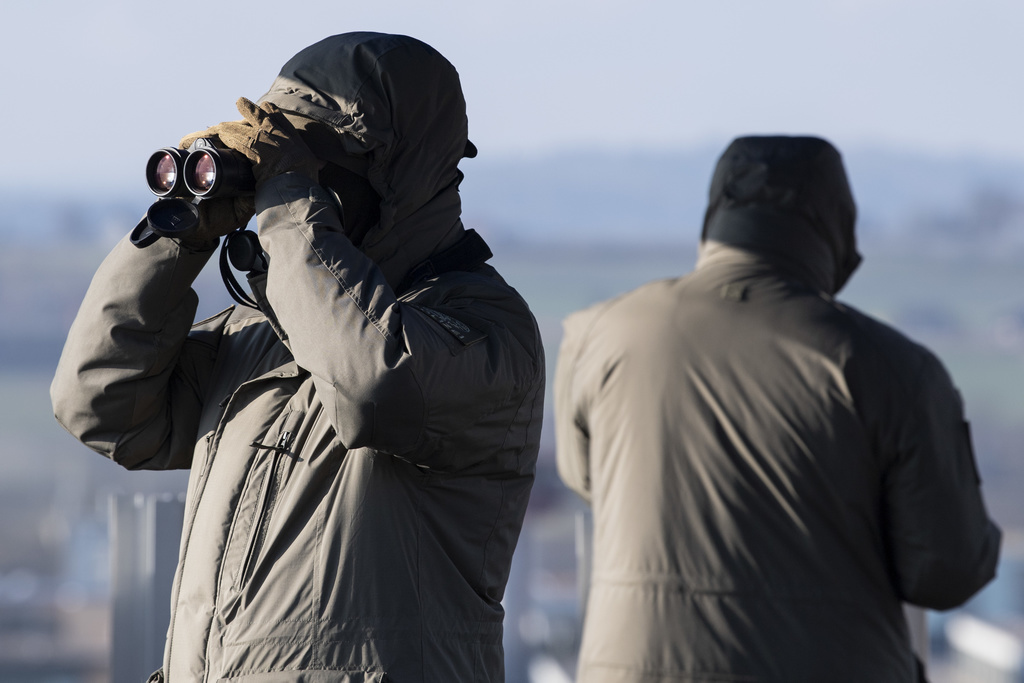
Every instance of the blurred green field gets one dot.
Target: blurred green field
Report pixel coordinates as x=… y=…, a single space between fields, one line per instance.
x=969 y=311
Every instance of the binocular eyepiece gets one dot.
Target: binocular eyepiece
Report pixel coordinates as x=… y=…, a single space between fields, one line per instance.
x=202 y=170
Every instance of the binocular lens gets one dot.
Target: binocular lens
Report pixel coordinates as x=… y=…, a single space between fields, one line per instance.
x=204 y=173
x=165 y=173
x=200 y=171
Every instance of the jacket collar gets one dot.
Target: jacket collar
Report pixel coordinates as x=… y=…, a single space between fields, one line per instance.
x=785 y=242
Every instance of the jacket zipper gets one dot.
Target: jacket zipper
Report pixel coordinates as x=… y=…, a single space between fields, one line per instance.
x=268 y=497
x=212 y=443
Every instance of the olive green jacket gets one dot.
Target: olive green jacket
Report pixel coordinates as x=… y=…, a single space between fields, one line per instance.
x=771 y=473
x=358 y=478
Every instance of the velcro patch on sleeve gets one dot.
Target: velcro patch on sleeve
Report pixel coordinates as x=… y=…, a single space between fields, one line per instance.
x=465 y=334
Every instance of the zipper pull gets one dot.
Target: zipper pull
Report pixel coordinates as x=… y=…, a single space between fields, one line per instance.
x=282 y=445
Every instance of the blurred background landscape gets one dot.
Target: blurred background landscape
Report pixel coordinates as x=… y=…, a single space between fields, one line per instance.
x=598 y=125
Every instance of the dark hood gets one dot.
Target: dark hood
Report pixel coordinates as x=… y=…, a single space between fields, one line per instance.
x=397 y=108
x=787 y=198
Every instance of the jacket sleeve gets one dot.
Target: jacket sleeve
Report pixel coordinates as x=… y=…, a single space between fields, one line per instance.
x=572 y=435
x=943 y=545
x=390 y=376
x=128 y=385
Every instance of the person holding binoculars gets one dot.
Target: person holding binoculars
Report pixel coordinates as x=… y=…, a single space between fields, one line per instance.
x=362 y=435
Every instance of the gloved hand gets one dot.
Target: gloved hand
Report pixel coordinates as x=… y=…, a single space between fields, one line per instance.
x=217 y=215
x=220 y=215
x=197 y=226
x=266 y=138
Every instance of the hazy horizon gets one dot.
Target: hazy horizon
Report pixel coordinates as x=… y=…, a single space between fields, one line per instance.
x=100 y=85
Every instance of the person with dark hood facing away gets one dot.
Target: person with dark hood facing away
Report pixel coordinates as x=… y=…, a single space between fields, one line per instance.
x=771 y=472
x=362 y=446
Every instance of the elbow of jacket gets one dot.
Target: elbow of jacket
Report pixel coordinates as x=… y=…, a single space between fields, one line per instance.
x=948 y=584
x=61 y=400
x=77 y=423
x=83 y=426
x=388 y=417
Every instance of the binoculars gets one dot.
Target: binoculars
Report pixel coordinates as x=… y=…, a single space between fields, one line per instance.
x=182 y=178
x=202 y=170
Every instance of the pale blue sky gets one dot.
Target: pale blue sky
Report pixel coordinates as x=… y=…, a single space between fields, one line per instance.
x=107 y=81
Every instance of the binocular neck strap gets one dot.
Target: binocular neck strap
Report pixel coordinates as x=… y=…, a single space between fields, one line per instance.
x=241 y=249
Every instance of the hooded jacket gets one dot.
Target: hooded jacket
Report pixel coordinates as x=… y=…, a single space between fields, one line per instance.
x=771 y=472
x=359 y=477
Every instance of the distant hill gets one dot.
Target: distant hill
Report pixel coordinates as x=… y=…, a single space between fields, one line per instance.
x=661 y=197
x=623 y=197
x=590 y=196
